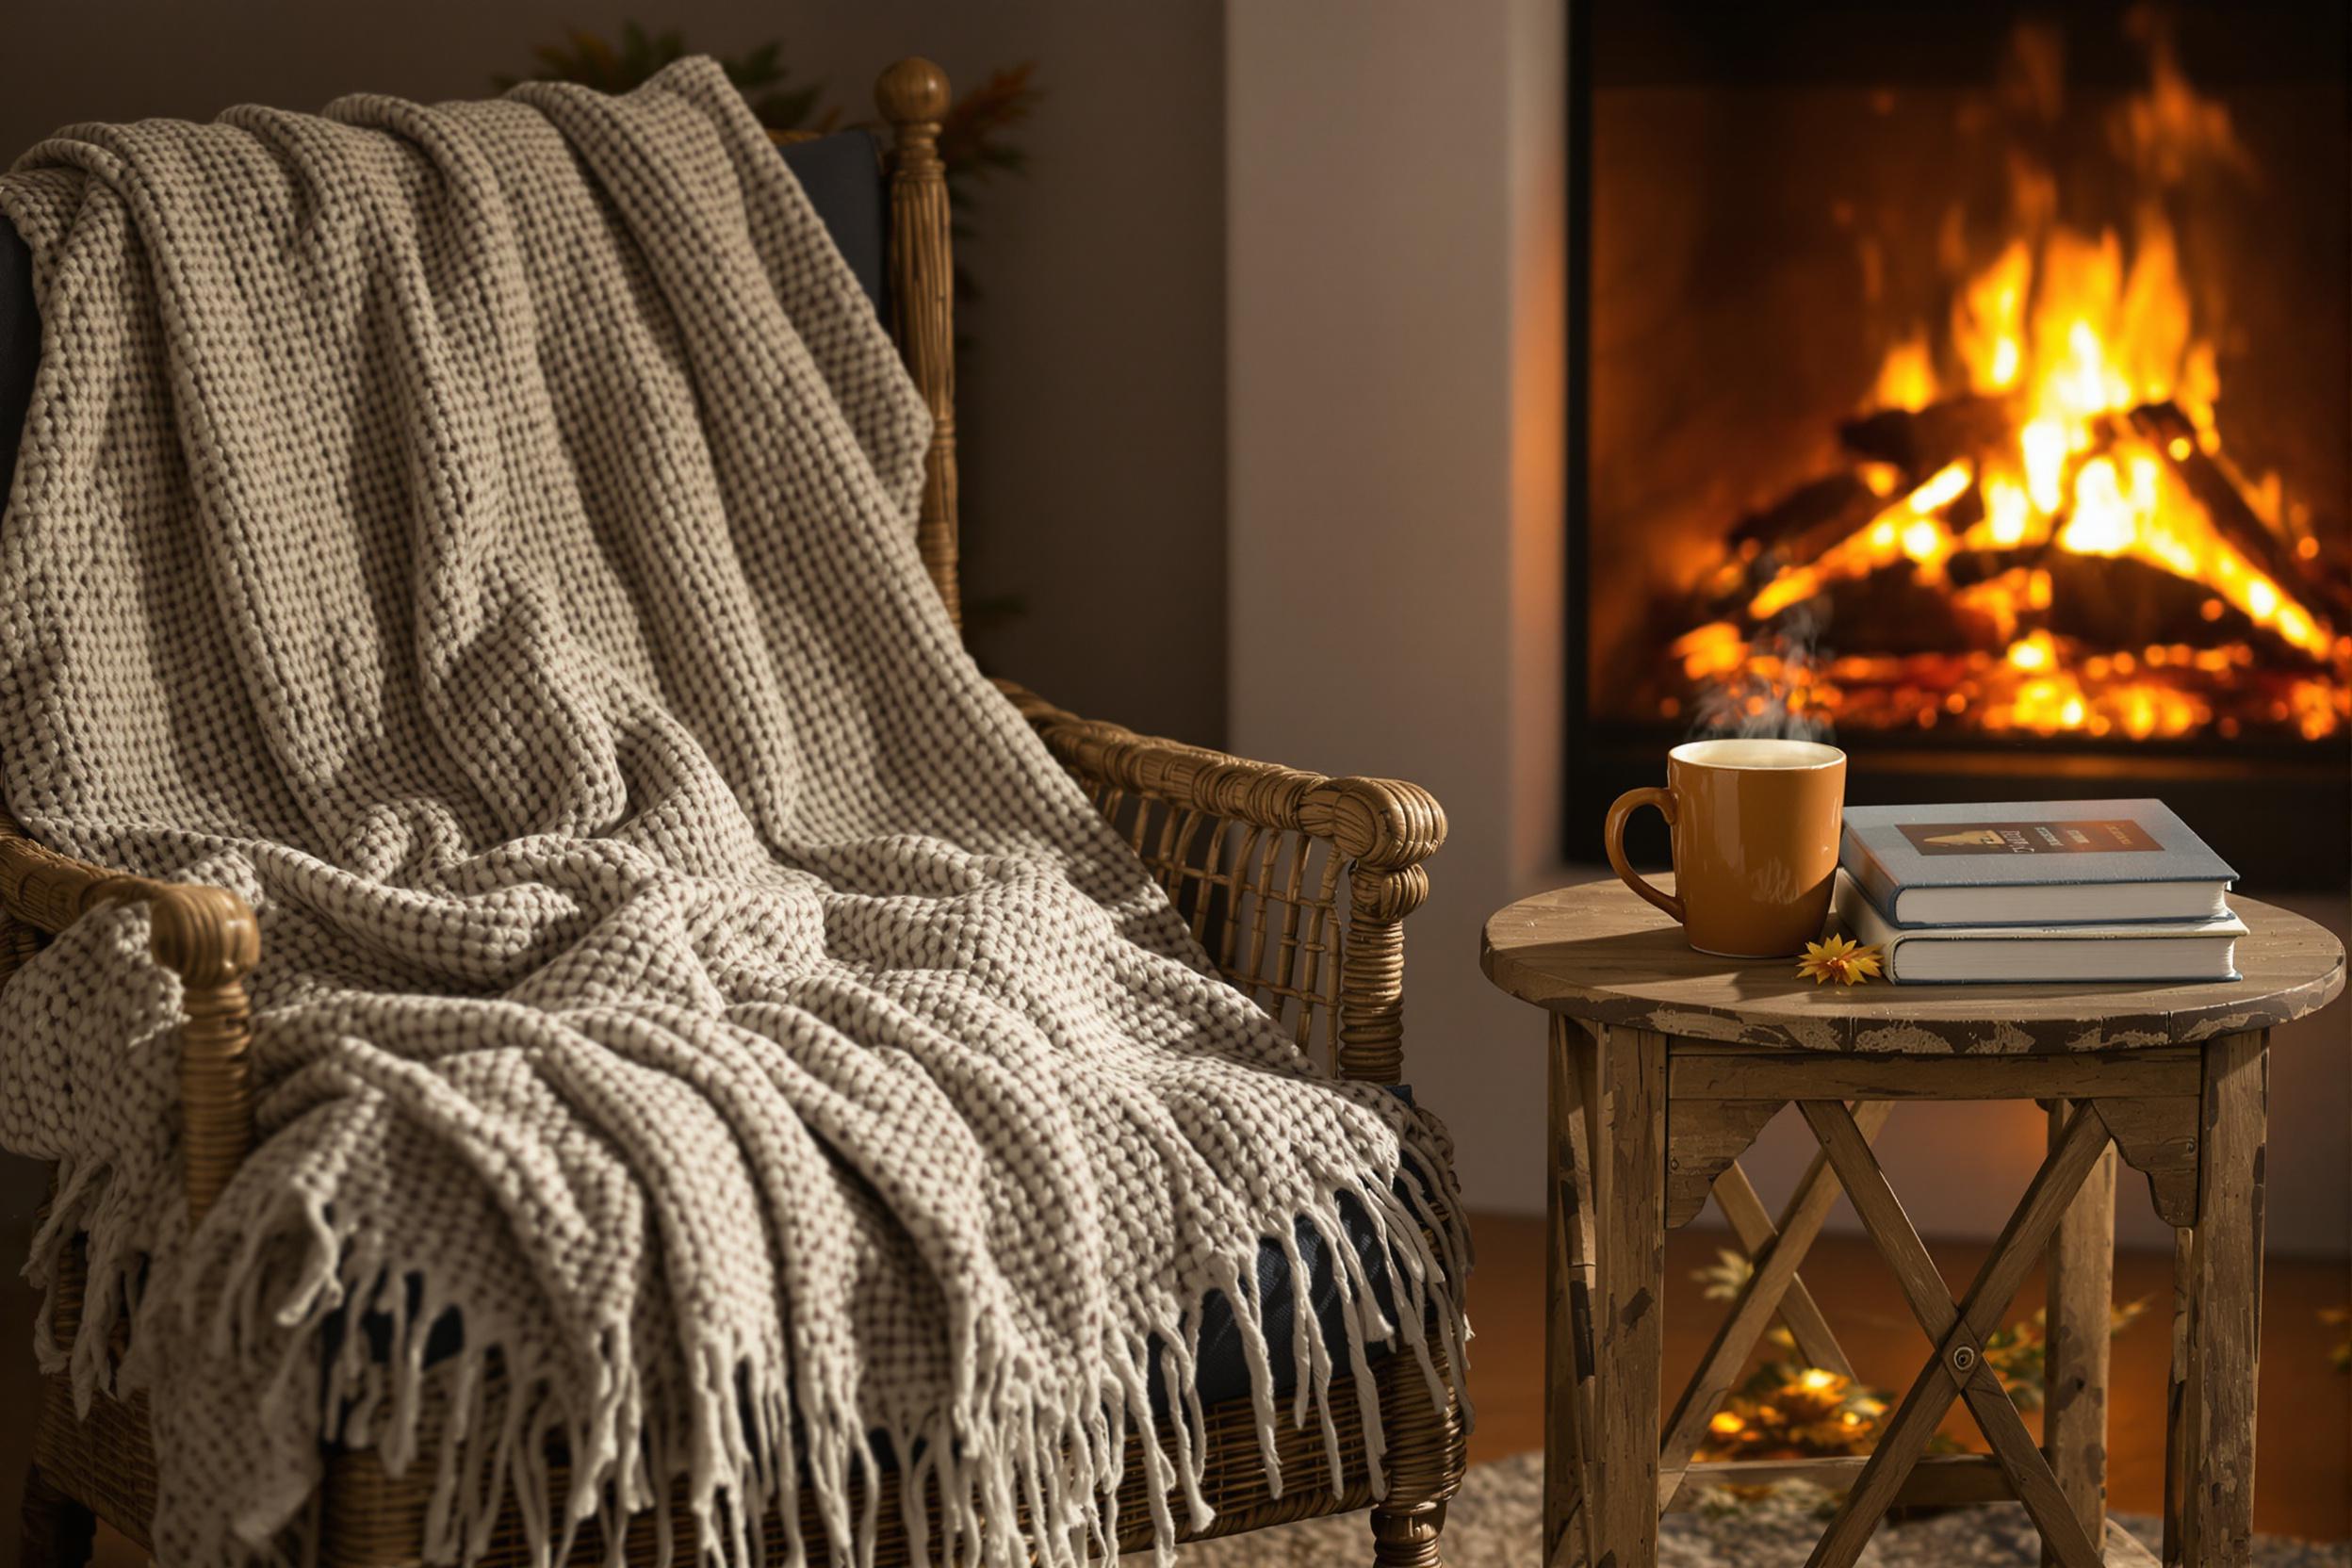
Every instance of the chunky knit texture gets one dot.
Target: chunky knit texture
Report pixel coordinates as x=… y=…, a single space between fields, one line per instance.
x=480 y=536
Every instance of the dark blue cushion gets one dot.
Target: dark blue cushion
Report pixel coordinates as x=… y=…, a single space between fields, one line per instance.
x=19 y=345
x=842 y=175
x=1223 y=1369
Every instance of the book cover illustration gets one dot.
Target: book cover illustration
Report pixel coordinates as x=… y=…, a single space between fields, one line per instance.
x=2082 y=837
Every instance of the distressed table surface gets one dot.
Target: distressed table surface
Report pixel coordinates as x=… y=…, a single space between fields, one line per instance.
x=1596 y=951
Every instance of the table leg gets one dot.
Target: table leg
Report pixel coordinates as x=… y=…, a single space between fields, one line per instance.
x=2078 y=1330
x=2216 y=1495
x=1629 y=1164
x=2180 y=1401
x=1570 y=1495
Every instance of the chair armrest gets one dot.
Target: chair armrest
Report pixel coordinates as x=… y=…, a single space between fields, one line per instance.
x=1382 y=829
x=209 y=938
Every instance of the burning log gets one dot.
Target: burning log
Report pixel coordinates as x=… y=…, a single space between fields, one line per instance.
x=1921 y=441
x=2121 y=603
x=1806 y=521
x=1895 y=612
x=2169 y=431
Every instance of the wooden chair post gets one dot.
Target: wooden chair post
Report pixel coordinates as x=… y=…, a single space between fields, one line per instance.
x=913 y=97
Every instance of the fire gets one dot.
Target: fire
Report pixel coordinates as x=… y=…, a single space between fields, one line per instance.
x=1988 y=320
x=2085 y=396
x=1907 y=380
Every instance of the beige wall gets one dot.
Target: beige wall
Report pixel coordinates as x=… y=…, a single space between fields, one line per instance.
x=1392 y=184
x=1093 y=391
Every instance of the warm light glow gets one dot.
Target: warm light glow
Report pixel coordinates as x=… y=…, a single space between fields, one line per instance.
x=1815 y=1379
x=2083 y=347
x=1880 y=478
x=1713 y=649
x=1726 y=1424
x=2102 y=522
x=1907 y=379
x=1988 y=320
x=2043 y=444
x=2008 y=512
x=1909 y=528
x=1950 y=483
x=2006 y=357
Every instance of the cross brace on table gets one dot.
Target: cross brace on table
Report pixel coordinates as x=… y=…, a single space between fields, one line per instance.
x=1627 y=1154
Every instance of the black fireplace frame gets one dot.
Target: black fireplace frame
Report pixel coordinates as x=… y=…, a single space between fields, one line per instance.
x=2297 y=835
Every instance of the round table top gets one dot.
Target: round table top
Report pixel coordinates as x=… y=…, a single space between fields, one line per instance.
x=1597 y=951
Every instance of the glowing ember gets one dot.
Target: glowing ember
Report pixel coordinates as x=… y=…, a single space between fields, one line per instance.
x=2055 y=456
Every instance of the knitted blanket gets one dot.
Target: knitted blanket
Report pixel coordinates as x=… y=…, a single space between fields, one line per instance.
x=481 y=535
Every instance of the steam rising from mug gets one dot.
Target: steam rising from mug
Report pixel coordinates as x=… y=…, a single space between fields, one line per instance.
x=1750 y=705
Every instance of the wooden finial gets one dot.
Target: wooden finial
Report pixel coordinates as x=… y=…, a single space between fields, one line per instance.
x=912 y=91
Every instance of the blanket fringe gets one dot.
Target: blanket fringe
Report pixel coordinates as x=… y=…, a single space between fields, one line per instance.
x=740 y=1444
x=494 y=1413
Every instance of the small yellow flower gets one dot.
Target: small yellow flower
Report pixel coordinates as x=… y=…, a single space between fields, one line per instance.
x=1838 y=958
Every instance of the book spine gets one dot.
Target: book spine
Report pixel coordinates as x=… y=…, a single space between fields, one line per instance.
x=1871 y=875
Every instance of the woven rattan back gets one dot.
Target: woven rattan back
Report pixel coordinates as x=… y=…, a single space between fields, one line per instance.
x=1266 y=904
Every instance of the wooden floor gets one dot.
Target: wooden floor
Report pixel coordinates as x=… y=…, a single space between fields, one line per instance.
x=2304 y=1438
x=2305 y=1442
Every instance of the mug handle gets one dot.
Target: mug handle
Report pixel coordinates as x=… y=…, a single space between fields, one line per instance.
x=1614 y=835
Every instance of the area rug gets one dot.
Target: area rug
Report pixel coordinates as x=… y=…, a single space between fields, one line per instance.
x=1493 y=1524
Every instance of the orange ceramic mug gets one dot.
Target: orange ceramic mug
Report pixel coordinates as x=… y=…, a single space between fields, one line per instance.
x=1756 y=827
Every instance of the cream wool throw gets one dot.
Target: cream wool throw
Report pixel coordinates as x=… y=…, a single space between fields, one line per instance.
x=481 y=535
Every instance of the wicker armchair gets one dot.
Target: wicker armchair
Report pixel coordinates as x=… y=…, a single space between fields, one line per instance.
x=1296 y=883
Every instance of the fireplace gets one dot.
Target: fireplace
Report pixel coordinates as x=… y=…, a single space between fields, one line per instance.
x=1967 y=383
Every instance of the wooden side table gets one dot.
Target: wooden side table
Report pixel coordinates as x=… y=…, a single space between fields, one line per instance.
x=1666 y=1062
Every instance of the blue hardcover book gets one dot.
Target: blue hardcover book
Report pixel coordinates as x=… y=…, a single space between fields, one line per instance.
x=2034 y=863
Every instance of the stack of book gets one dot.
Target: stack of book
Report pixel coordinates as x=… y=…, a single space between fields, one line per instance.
x=2036 y=890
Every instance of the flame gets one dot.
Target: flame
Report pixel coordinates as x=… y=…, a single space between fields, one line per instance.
x=1988 y=320
x=2036 y=652
x=2083 y=347
x=1907 y=379
x=2078 y=335
x=1910 y=528
x=2009 y=515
